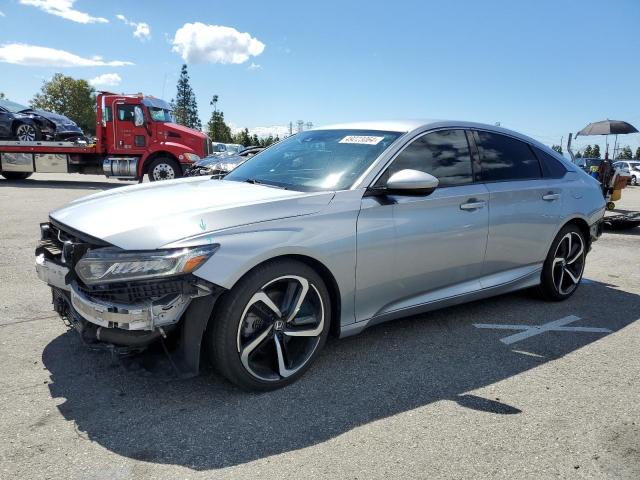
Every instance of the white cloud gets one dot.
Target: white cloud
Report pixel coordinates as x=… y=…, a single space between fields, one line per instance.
x=2 y=14
x=142 y=29
x=64 y=9
x=200 y=43
x=34 y=56
x=254 y=66
x=106 y=80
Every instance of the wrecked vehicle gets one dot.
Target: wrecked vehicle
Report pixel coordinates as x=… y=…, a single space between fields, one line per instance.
x=331 y=230
x=217 y=166
x=19 y=122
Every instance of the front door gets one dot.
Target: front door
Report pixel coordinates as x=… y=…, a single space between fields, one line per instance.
x=409 y=247
x=128 y=137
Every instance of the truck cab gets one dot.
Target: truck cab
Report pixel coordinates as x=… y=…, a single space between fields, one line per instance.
x=139 y=132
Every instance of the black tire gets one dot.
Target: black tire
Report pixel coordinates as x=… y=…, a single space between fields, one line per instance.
x=239 y=322
x=16 y=175
x=634 y=180
x=164 y=168
x=558 y=279
x=27 y=132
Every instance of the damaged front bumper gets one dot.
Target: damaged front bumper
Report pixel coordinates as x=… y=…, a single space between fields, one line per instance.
x=145 y=314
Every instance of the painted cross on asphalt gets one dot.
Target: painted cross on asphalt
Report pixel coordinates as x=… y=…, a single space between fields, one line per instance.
x=533 y=330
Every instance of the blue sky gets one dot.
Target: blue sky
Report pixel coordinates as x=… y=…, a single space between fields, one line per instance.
x=541 y=67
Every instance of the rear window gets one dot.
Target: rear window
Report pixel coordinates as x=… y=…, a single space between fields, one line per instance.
x=551 y=167
x=505 y=158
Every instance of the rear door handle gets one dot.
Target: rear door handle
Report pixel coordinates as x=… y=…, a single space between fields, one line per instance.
x=550 y=197
x=473 y=205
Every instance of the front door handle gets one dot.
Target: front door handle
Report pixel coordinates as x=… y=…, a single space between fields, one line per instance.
x=473 y=204
x=550 y=197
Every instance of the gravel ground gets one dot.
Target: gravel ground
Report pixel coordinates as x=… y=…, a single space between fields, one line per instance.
x=424 y=397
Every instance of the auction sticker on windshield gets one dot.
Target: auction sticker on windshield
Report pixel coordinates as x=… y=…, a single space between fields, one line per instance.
x=361 y=139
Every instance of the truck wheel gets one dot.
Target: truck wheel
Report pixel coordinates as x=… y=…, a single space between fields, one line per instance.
x=16 y=175
x=26 y=132
x=164 y=168
x=269 y=328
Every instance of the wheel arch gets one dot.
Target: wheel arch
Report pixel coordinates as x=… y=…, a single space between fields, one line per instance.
x=582 y=224
x=148 y=160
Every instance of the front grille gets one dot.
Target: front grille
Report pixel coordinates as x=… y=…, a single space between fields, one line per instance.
x=135 y=292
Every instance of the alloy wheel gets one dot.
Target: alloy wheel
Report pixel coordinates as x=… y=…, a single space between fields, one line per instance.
x=163 y=171
x=280 y=328
x=26 y=133
x=568 y=263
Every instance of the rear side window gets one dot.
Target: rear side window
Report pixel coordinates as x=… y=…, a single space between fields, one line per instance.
x=505 y=158
x=551 y=167
x=444 y=154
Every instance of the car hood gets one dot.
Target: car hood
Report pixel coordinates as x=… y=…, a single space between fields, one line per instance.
x=59 y=121
x=151 y=216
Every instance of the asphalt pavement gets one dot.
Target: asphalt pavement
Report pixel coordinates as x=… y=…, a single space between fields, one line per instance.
x=450 y=394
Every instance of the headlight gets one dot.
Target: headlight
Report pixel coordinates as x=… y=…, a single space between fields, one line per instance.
x=106 y=265
x=192 y=156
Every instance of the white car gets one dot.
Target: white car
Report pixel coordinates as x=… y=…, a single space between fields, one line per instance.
x=632 y=167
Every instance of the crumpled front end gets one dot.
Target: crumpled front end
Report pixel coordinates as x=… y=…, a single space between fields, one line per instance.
x=124 y=316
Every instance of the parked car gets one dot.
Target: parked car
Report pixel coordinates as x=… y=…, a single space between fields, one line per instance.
x=19 y=122
x=586 y=163
x=219 y=148
x=219 y=167
x=234 y=148
x=632 y=167
x=331 y=230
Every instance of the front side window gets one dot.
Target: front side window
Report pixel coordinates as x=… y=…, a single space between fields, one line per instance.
x=444 y=154
x=125 y=113
x=505 y=158
x=316 y=159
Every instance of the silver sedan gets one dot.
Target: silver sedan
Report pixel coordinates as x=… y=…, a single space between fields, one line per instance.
x=330 y=230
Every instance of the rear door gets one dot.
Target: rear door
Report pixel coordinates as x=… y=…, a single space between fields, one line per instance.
x=409 y=246
x=525 y=202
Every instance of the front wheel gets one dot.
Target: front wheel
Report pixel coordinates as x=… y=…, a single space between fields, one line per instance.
x=564 y=266
x=164 y=168
x=634 y=180
x=270 y=327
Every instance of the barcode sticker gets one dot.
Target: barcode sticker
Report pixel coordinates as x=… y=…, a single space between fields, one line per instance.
x=362 y=139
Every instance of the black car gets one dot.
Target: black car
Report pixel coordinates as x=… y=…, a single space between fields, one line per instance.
x=18 y=122
x=220 y=165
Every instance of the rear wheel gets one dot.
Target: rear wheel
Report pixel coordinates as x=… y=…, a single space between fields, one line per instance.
x=164 y=168
x=564 y=265
x=270 y=327
x=634 y=180
x=26 y=132
x=16 y=175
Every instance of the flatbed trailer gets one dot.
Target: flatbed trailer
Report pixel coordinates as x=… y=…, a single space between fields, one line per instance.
x=135 y=135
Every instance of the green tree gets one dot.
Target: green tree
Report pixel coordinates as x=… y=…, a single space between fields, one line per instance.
x=2 y=96
x=624 y=153
x=588 y=152
x=217 y=129
x=71 y=97
x=557 y=148
x=255 y=140
x=185 y=104
x=596 y=151
x=637 y=155
x=578 y=155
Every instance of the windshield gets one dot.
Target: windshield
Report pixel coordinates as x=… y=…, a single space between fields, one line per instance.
x=316 y=159
x=635 y=166
x=160 y=114
x=233 y=148
x=13 y=107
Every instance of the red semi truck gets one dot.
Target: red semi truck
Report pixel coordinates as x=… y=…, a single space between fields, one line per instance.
x=135 y=135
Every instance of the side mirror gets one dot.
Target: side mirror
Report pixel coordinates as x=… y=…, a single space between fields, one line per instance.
x=138 y=116
x=411 y=182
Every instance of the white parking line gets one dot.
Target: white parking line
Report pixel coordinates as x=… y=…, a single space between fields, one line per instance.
x=533 y=330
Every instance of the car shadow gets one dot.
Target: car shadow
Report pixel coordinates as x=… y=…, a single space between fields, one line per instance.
x=66 y=184
x=205 y=423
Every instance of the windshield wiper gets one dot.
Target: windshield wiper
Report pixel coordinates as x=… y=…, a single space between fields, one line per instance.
x=255 y=181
